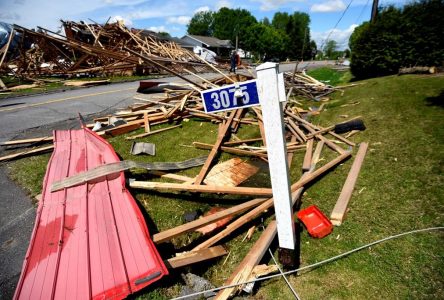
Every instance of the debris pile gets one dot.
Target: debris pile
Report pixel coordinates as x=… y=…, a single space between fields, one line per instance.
x=93 y=49
x=179 y=105
x=306 y=86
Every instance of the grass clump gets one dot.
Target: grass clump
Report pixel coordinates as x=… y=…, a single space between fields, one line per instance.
x=331 y=76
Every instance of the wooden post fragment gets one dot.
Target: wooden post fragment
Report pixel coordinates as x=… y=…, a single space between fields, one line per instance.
x=193 y=257
x=254 y=256
x=167 y=235
x=340 y=209
x=151 y=132
x=149 y=185
x=146 y=122
x=308 y=154
x=203 y=172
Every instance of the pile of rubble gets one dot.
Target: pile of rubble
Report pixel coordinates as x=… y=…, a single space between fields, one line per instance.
x=91 y=49
x=224 y=178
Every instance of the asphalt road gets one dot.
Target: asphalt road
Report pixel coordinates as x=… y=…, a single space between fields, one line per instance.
x=24 y=116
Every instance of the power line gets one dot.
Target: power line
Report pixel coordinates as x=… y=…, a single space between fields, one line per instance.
x=362 y=11
x=337 y=23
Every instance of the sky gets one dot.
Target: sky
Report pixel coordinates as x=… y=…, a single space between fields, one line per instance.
x=173 y=16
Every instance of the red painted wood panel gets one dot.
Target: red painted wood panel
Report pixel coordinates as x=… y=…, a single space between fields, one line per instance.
x=89 y=241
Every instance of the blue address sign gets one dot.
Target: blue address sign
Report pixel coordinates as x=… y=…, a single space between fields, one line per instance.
x=224 y=98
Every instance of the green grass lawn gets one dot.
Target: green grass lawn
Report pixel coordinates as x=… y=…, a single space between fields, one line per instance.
x=400 y=188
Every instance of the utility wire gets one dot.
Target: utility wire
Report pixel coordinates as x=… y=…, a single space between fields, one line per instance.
x=296 y=296
x=315 y=264
x=337 y=23
x=362 y=11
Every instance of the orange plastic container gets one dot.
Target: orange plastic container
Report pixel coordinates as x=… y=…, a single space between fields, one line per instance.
x=317 y=224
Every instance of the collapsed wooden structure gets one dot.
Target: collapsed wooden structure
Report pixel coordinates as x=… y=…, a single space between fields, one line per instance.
x=94 y=49
x=302 y=135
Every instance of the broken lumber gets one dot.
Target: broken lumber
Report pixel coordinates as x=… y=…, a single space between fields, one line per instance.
x=167 y=235
x=254 y=256
x=145 y=134
x=193 y=257
x=27 y=141
x=112 y=168
x=25 y=153
x=295 y=189
x=308 y=154
x=230 y=150
x=149 y=185
x=206 y=167
x=340 y=209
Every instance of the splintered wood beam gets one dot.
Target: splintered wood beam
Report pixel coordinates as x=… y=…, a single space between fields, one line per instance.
x=297 y=129
x=11 y=35
x=148 y=185
x=28 y=141
x=316 y=154
x=308 y=154
x=167 y=235
x=160 y=66
x=296 y=189
x=230 y=150
x=240 y=142
x=254 y=256
x=146 y=122
x=151 y=132
x=339 y=211
x=27 y=152
x=341 y=138
x=206 y=167
x=193 y=257
x=237 y=117
x=325 y=140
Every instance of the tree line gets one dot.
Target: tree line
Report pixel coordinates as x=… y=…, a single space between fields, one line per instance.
x=399 y=37
x=287 y=36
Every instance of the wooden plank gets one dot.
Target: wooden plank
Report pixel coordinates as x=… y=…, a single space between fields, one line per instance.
x=167 y=235
x=339 y=211
x=230 y=173
x=11 y=35
x=295 y=188
x=253 y=257
x=306 y=165
x=341 y=138
x=240 y=142
x=230 y=150
x=317 y=154
x=27 y=152
x=193 y=257
x=297 y=129
x=206 y=167
x=148 y=185
x=137 y=136
x=237 y=118
x=28 y=141
x=146 y=122
x=325 y=140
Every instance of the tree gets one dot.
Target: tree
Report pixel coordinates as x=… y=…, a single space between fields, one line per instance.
x=266 y=42
x=229 y=23
x=280 y=21
x=164 y=34
x=298 y=31
x=399 y=38
x=266 y=21
x=202 y=23
x=330 y=49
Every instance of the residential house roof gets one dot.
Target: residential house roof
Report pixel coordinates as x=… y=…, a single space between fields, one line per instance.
x=210 y=41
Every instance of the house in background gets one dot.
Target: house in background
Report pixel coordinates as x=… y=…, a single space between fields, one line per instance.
x=220 y=47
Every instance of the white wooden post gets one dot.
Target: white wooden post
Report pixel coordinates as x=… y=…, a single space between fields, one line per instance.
x=269 y=89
